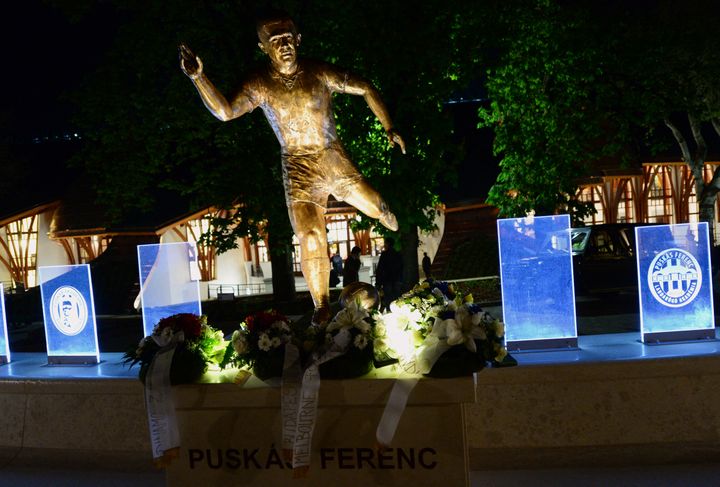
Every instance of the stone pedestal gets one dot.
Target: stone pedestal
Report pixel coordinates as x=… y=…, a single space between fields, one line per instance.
x=232 y=436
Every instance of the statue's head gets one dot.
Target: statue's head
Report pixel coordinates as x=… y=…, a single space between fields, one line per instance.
x=278 y=36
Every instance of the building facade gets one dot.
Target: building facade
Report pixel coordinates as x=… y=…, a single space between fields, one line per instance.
x=55 y=233
x=658 y=192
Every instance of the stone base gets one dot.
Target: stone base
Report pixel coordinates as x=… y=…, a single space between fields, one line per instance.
x=548 y=414
x=596 y=414
x=234 y=436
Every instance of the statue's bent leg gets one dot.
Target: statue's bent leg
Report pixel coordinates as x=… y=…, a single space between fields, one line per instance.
x=308 y=221
x=365 y=198
x=350 y=186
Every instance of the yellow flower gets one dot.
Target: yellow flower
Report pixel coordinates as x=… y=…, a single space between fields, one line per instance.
x=500 y=352
x=468 y=299
x=417 y=337
x=380 y=328
x=499 y=328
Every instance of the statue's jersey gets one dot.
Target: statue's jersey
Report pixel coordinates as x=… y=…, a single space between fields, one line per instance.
x=298 y=108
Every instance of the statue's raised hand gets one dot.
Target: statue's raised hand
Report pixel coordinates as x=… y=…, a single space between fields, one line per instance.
x=394 y=138
x=191 y=65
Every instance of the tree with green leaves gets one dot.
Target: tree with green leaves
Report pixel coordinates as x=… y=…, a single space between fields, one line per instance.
x=548 y=108
x=576 y=83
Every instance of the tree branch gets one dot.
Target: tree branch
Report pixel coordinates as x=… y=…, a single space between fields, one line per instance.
x=716 y=124
x=701 y=152
x=684 y=148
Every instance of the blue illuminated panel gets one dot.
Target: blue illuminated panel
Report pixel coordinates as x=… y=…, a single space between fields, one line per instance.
x=169 y=281
x=537 y=282
x=69 y=314
x=675 y=282
x=4 y=343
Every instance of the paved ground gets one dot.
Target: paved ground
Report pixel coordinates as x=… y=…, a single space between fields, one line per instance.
x=26 y=477
x=656 y=476
x=660 y=476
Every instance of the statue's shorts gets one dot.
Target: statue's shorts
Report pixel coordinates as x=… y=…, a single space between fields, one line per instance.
x=312 y=177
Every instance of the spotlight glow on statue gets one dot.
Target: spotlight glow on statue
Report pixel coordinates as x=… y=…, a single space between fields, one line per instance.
x=296 y=97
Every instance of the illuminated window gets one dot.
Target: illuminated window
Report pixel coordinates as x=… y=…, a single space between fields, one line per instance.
x=376 y=243
x=340 y=237
x=21 y=240
x=206 y=253
x=659 y=197
x=261 y=250
x=626 y=209
x=591 y=194
x=89 y=248
x=296 y=255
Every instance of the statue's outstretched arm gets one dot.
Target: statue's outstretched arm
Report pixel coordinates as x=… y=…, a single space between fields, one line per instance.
x=358 y=86
x=215 y=101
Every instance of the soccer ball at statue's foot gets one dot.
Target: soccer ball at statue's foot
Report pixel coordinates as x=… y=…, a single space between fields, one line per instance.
x=362 y=292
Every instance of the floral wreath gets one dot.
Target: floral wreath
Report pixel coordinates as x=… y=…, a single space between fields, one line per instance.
x=199 y=346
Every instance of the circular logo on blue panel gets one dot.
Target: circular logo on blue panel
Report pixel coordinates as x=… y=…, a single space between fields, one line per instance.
x=674 y=278
x=68 y=310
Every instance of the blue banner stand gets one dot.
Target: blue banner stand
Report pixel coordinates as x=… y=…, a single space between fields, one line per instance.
x=169 y=281
x=69 y=315
x=536 y=278
x=4 y=339
x=675 y=283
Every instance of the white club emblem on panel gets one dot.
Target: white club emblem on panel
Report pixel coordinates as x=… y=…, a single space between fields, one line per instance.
x=674 y=278
x=68 y=310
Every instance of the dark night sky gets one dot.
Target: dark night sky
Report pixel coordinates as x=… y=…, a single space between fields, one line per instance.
x=48 y=55
x=45 y=55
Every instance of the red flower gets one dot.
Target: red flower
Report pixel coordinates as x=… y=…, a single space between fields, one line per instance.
x=250 y=323
x=263 y=320
x=188 y=323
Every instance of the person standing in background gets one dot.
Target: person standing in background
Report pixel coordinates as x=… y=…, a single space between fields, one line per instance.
x=351 y=271
x=388 y=276
x=426 y=265
x=337 y=262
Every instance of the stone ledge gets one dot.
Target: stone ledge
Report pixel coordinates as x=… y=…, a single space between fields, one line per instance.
x=56 y=458
x=600 y=370
x=594 y=456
